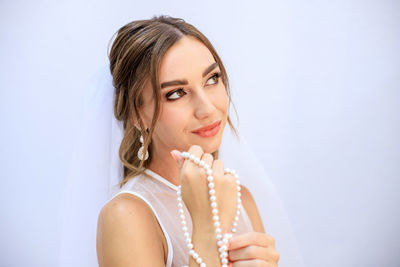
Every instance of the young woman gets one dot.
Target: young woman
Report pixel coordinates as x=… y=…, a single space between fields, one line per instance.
x=172 y=95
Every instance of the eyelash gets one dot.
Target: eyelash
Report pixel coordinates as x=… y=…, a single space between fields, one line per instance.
x=217 y=75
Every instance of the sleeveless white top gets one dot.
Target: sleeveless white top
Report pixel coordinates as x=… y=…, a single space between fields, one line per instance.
x=160 y=195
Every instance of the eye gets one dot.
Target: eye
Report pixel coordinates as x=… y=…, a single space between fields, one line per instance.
x=175 y=94
x=214 y=77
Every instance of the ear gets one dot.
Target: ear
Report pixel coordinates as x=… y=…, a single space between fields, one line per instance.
x=135 y=122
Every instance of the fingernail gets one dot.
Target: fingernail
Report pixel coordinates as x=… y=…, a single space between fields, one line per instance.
x=177 y=156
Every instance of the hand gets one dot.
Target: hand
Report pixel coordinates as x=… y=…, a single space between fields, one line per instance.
x=195 y=190
x=253 y=249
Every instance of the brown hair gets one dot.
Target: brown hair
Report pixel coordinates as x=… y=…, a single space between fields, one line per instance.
x=135 y=57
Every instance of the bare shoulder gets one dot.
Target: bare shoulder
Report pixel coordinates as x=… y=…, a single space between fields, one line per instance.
x=251 y=208
x=128 y=234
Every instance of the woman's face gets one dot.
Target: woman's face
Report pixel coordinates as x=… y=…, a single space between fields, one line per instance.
x=194 y=101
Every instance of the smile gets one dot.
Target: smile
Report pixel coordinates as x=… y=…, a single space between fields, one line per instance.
x=209 y=130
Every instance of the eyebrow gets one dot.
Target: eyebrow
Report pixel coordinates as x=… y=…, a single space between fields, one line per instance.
x=184 y=81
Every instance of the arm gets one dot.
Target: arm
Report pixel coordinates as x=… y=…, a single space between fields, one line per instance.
x=252 y=211
x=254 y=248
x=128 y=234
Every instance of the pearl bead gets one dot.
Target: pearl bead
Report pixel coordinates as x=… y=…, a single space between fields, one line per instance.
x=222 y=241
x=227 y=235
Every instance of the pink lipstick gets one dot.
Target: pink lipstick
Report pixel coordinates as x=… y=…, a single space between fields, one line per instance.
x=208 y=130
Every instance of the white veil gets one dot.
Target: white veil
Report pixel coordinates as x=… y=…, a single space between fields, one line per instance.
x=96 y=170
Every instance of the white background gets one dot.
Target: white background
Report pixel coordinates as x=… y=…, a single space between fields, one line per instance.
x=316 y=84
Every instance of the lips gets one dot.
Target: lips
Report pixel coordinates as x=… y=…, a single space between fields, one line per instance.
x=208 y=130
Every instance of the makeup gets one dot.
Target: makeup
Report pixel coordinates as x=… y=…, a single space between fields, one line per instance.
x=209 y=130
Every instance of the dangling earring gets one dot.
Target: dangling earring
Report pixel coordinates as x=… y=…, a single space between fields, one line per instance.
x=141 y=150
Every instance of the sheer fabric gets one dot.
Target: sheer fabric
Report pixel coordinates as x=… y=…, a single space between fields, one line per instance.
x=96 y=169
x=160 y=195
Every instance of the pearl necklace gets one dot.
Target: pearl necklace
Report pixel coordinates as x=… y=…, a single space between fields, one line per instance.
x=222 y=240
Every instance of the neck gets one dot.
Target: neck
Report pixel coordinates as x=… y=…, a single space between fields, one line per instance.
x=166 y=166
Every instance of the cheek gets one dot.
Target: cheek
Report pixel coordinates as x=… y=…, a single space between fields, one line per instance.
x=147 y=115
x=221 y=99
x=173 y=119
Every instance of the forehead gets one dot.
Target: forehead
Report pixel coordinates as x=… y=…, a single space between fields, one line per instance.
x=187 y=58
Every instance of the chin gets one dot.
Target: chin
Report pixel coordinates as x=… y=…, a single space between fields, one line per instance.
x=210 y=145
x=210 y=149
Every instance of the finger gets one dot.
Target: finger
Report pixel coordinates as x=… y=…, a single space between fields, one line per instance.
x=197 y=152
x=251 y=238
x=253 y=252
x=177 y=157
x=208 y=159
x=254 y=262
x=218 y=168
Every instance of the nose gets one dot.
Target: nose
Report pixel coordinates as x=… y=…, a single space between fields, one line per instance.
x=204 y=105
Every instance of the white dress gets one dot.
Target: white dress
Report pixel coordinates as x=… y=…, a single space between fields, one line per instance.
x=160 y=195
